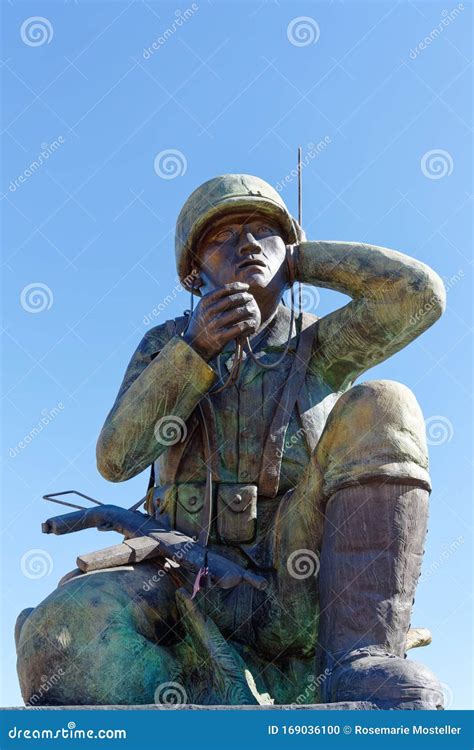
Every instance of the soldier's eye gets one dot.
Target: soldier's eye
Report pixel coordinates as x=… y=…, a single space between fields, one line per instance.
x=224 y=236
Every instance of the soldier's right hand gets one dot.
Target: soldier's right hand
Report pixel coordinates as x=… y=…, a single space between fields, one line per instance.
x=220 y=316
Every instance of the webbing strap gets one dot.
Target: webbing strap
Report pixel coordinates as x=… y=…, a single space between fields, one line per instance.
x=270 y=467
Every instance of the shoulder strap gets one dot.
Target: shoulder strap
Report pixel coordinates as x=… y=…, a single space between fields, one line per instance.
x=273 y=452
x=210 y=446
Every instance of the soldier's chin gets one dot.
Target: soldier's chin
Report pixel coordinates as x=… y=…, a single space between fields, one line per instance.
x=253 y=275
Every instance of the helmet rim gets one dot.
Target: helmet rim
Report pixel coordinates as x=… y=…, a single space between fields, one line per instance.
x=255 y=196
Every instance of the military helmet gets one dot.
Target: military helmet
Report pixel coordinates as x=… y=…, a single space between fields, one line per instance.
x=227 y=193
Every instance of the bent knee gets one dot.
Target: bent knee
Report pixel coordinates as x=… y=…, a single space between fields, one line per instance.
x=375 y=429
x=376 y=403
x=83 y=639
x=56 y=637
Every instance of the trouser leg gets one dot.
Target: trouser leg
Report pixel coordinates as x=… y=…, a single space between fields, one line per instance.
x=95 y=641
x=291 y=615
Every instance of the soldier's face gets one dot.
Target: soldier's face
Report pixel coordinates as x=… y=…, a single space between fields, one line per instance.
x=250 y=249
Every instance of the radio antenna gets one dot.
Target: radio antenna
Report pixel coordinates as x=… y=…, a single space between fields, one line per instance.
x=300 y=194
x=300 y=222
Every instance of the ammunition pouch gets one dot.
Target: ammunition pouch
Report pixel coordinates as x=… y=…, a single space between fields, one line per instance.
x=236 y=513
x=234 y=509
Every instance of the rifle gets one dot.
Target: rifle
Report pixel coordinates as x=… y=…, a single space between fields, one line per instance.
x=144 y=539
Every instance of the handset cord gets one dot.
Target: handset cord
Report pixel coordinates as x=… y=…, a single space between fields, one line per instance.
x=273 y=365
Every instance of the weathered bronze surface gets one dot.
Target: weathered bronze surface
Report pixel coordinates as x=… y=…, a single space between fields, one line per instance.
x=312 y=490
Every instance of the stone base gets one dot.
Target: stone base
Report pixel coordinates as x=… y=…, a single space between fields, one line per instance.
x=347 y=706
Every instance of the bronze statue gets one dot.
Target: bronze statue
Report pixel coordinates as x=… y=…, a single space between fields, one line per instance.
x=279 y=553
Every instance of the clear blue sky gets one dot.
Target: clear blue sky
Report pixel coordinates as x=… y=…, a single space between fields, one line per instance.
x=231 y=91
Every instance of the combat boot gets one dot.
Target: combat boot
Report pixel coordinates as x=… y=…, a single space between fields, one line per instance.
x=370 y=564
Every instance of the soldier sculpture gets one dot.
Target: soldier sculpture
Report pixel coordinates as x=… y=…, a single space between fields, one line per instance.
x=287 y=510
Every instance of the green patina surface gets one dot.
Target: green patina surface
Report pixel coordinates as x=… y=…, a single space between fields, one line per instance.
x=118 y=637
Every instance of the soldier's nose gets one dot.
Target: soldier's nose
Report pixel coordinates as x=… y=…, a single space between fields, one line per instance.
x=248 y=243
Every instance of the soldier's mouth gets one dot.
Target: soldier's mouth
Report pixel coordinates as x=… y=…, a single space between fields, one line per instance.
x=252 y=263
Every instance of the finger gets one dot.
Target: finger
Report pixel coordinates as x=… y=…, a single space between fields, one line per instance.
x=227 y=303
x=230 y=317
x=245 y=327
x=223 y=291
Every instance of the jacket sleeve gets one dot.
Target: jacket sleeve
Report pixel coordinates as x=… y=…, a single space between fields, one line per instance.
x=394 y=299
x=162 y=385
